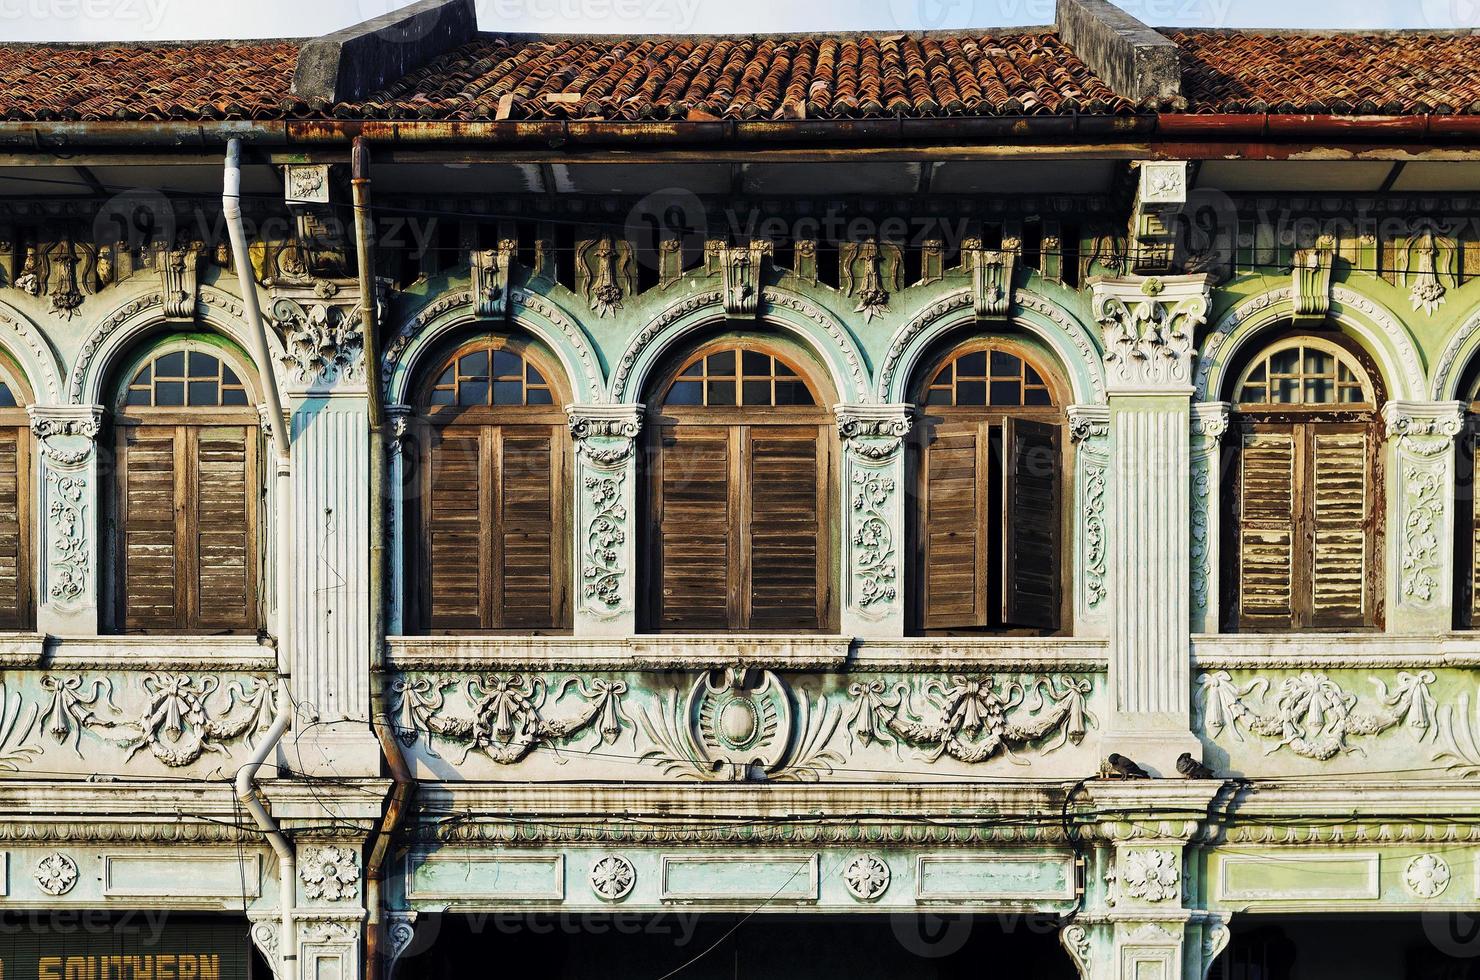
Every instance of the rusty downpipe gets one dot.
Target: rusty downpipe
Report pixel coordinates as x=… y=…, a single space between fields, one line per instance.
x=403 y=786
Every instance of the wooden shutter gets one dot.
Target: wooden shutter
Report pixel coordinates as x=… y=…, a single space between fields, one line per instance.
x=224 y=525
x=1340 y=523
x=15 y=525
x=785 y=483
x=456 y=522
x=693 y=512
x=528 y=479
x=1032 y=491
x=954 y=532
x=1266 y=515
x=1472 y=445
x=151 y=468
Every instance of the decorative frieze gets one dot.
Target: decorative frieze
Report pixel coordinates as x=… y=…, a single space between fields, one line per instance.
x=1089 y=431
x=873 y=524
x=66 y=446
x=606 y=474
x=1209 y=424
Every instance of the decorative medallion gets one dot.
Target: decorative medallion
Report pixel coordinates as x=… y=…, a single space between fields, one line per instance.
x=330 y=873
x=1151 y=875
x=867 y=877
x=56 y=873
x=1427 y=876
x=612 y=877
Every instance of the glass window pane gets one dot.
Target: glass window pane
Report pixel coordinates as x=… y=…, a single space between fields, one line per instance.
x=1037 y=396
x=442 y=396
x=507 y=364
x=757 y=393
x=695 y=370
x=1286 y=391
x=1319 y=391
x=7 y=398
x=721 y=393
x=145 y=375
x=792 y=393
x=1352 y=395
x=233 y=396
x=448 y=378
x=204 y=393
x=1004 y=363
x=971 y=393
x=783 y=371
x=686 y=393
x=538 y=396
x=472 y=392
x=474 y=365
x=972 y=365
x=1007 y=393
x=1285 y=361
x=1258 y=373
x=229 y=376
x=938 y=396
x=137 y=396
x=1032 y=376
x=531 y=375
x=508 y=393
x=757 y=364
x=1317 y=361
x=721 y=363
x=169 y=393
x=204 y=365
x=171 y=365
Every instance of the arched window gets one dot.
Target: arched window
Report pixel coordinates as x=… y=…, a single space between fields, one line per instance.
x=740 y=462
x=988 y=518
x=189 y=488
x=1303 y=497
x=17 y=605
x=492 y=504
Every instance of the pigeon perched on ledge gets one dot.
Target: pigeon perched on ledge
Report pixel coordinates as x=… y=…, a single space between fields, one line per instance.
x=1191 y=768
x=1118 y=766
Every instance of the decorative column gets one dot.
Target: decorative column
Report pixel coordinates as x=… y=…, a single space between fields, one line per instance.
x=1148 y=333
x=606 y=534
x=398 y=449
x=1209 y=423
x=1089 y=431
x=69 y=495
x=329 y=409
x=1421 y=514
x=873 y=484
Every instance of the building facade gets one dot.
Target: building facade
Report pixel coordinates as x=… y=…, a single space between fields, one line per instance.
x=874 y=505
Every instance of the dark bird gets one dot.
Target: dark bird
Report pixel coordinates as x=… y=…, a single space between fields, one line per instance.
x=1191 y=768
x=1118 y=766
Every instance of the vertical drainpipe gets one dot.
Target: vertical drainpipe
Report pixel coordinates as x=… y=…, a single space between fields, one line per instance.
x=246 y=776
x=396 y=806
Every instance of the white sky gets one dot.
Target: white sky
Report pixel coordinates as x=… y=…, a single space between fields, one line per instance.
x=96 y=20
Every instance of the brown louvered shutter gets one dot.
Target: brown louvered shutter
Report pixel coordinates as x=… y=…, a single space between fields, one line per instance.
x=15 y=529
x=785 y=483
x=456 y=522
x=494 y=528
x=1340 y=525
x=224 y=520
x=1265 y=520
x=1032 y=493
x=693 y=511
x=151 y=467
x=954 y=538
x=1472 y=446
x=528 y=482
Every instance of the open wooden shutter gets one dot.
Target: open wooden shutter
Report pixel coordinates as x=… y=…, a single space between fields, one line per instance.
x=1340 y=515
x=456 y=525
x=785 y=484
x=528 y=473
x=1032 y=495
x=152 y=462
x=15 y=557
x=955 y=526
x=225 y=519
x=1267 y=505
x=1472 y=464
x=693 y=511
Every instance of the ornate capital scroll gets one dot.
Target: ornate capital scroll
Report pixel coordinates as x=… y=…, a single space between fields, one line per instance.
x=873 y=433
x=1148 y=329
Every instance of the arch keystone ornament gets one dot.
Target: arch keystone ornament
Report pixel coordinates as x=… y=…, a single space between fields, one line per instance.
x=873 y=518
x=1148 y=325
x=605 y=502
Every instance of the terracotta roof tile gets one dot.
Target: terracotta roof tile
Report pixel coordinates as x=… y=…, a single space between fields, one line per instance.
x=225 y=80
x=1395 y=73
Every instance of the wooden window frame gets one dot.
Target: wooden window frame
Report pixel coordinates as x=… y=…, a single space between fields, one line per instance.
x=987 y=418
x=739 y=421
x=1305 y=422
x=491 y=423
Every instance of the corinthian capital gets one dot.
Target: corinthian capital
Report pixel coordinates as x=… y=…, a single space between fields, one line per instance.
x=1149 y=324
